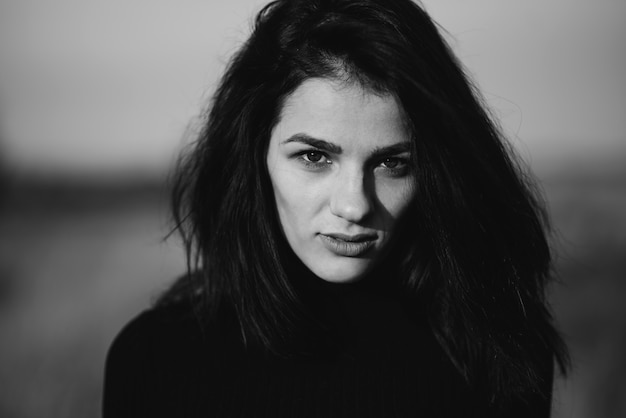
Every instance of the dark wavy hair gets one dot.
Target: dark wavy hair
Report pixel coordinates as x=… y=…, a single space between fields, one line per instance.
x=482 y=261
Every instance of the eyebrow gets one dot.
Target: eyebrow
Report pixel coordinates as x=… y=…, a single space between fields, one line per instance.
x=399 y=148
x=314 y=142
x=323 y=145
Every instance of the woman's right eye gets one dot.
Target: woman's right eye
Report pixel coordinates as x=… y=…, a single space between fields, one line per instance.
x=313 y=156
x=313 y=159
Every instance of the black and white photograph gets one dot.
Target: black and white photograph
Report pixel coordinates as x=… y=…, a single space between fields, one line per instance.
x=312 y=208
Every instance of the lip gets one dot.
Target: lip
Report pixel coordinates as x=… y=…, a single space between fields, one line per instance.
x=348 y=245
x=352 y=238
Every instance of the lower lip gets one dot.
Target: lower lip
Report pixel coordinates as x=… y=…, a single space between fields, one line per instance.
x=346 y=248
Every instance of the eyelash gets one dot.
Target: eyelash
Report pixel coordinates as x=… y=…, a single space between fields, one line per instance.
x=324 y=160
x=402 y=168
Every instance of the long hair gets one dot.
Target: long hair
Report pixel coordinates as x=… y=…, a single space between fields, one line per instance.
x=482 y=261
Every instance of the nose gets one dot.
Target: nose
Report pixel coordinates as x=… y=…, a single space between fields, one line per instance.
x=350 y=197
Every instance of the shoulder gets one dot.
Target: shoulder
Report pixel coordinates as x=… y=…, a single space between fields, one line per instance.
x=171 y=333
x=153 y=330
x=159 y=346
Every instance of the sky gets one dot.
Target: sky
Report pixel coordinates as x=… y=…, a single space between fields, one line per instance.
x=116 y=87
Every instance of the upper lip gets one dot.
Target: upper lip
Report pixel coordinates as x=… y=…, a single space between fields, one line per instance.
x=352 y=238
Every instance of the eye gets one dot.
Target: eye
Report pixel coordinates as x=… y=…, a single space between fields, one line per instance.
x=391 y=163
x=313 y=156
x=394 y=166
x=313 y=159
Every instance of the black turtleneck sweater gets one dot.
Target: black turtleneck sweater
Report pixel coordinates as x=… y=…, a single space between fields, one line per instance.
x=379 y=358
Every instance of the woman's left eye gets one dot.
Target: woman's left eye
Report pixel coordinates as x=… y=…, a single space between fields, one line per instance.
x=394 y=165
x=391 y=163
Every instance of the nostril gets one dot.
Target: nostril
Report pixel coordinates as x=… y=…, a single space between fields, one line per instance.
x=350 y=202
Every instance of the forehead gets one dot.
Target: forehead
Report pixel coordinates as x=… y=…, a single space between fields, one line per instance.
x=338 y=111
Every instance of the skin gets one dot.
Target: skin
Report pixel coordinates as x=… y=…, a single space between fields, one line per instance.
x=338 y=160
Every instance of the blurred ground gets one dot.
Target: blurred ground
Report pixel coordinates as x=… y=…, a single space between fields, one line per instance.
x=77 y=260
x=588 y=208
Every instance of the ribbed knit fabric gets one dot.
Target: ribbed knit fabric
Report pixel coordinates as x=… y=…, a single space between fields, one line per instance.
x=384 y=362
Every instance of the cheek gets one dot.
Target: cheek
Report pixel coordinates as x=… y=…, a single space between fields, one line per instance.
x=295 y=201
x=395 y=196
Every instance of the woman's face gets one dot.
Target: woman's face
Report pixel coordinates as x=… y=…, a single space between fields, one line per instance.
x=339 y=162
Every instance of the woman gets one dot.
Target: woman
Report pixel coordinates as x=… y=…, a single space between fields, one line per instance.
x=359 y=240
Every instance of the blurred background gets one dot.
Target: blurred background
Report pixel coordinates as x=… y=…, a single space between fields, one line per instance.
x=97 y=98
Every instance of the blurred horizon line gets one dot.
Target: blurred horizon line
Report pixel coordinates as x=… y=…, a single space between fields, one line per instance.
x=587 y=167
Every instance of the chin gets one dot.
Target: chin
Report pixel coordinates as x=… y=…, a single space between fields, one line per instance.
x=344 y=271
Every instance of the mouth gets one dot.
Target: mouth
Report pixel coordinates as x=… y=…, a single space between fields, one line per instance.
x=348 y=245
